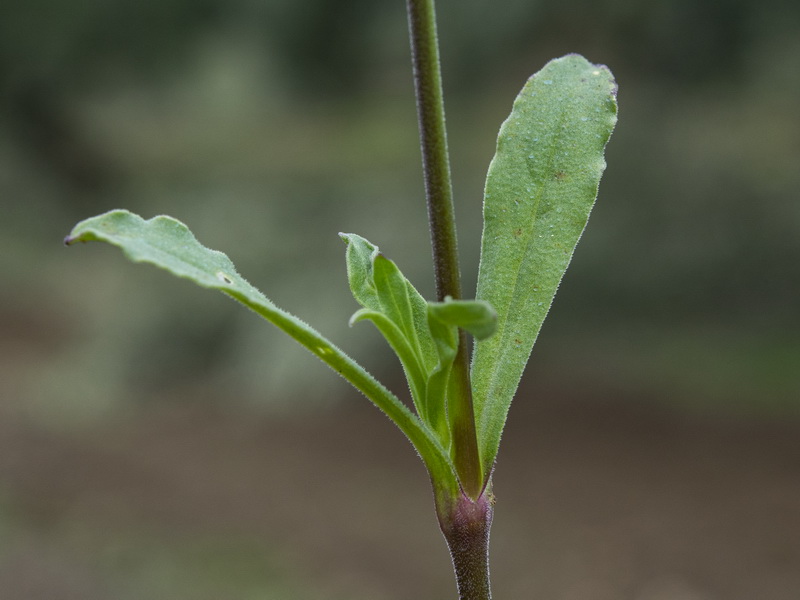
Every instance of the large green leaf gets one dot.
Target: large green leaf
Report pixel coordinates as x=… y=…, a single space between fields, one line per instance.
x=540 y=189
x=169 y=244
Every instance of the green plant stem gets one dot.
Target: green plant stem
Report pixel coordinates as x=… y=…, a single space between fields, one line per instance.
x=433 y=138
x=439 y=194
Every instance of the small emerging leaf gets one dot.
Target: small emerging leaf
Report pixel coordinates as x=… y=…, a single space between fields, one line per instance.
x=397 y=310
x=540 y=189
x=444 y=319
x=359 y=257
x=475 y=316
x=424 y=335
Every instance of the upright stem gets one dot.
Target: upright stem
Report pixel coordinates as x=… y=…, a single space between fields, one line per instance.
x=465 y=524
x=439 y=194
x=466 y=518
x=433 y=138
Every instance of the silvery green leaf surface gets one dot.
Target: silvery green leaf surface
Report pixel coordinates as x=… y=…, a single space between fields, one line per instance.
x=541 y=186
x=170 y=245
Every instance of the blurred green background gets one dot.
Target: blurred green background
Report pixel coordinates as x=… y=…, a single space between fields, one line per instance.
x=156 y=441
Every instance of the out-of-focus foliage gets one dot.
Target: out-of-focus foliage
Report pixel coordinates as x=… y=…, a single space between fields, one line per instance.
x=254 y=120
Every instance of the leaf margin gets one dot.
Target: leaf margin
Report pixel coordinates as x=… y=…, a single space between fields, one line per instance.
x=509 y=349
x=212 y=269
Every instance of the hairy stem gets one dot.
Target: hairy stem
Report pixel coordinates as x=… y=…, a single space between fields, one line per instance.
x=465 y=524
x=433 y=138
x=439 y=194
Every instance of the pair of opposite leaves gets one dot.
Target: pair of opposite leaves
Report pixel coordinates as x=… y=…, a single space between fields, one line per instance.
x=541 y=187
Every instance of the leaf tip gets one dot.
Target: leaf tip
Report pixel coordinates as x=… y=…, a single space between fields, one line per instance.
x=75 y=236
x=358 y=316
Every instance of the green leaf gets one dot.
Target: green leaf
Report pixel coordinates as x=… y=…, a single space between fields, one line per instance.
x=444 y=319
x=168 y=244
x=398 y=311
x=359 y=256
x=474 y=316
x=424 y=335
x=439 y=379
x=408 y=354
x=540 y=189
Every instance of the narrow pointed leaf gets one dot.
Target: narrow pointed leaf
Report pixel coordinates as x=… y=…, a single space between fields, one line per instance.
x=397 y=310
x=404 y=305
x=540 y=189
x=416 y=374
x=168 y=244
x=446 y=337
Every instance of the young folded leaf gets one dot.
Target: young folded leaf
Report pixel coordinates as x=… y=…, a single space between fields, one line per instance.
x=540 y=189
x=473 y=316
x=424 y=335
x=444 y=319
x=397 y=310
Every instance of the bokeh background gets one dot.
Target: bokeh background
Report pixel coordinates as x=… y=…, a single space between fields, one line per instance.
x=157 y=441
